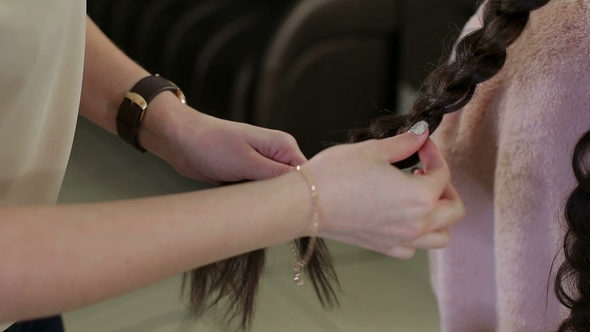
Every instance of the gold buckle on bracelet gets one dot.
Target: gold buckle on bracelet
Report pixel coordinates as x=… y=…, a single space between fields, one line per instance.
x=142 y=103
x=179 y=94
x=137 y=100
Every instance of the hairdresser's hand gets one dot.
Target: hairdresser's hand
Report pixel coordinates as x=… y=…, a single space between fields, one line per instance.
x=209 y=149
x=368 y=203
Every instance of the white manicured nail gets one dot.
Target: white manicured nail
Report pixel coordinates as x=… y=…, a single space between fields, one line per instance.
x=419 y=128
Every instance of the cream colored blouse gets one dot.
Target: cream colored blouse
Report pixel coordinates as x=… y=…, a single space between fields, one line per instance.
x=41 y=64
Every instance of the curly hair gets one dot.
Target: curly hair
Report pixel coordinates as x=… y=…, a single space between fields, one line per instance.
x=572 y=283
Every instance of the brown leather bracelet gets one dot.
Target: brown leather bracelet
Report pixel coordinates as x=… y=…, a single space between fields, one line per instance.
x=134 y=105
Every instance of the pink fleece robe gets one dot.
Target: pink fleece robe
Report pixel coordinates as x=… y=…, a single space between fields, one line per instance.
x=510 y=156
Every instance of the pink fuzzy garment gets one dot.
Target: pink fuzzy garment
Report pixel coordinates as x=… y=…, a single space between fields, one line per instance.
x=510 y=154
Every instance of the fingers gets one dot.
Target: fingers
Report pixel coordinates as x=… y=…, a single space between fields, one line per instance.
x=418 y=171
x=435 y=174
x=433 y=240
x=273 y=153
x=263 y=168
x=278 y=146
x=290 y=154
x=401 y=147
x=401 y=252
x=448 y=211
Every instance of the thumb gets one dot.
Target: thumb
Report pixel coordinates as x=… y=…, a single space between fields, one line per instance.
x=267 y=168
x=405 y=145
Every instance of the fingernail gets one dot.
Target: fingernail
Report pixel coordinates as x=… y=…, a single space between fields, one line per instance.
x=417 y=170
x=419 y=128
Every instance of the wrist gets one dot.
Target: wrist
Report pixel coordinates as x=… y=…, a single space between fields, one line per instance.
x=162 y=125
x=299 y=197
x=133 y=108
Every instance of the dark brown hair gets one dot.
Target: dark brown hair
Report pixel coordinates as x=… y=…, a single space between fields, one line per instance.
x=234 y=282
x=479 y=56
x=572 y=283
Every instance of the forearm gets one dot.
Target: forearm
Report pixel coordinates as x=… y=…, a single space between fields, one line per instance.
x=108 y=75
x=58 y=258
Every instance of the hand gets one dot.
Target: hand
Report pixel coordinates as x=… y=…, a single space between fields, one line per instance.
x=366 y=202
x=209 y=149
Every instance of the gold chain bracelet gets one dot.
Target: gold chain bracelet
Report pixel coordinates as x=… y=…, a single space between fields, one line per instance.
x=301 y=262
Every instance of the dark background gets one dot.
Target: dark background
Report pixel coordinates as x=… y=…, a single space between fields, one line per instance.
x=313 y=68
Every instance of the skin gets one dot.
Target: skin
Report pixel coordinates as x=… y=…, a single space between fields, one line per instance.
x=81 y=254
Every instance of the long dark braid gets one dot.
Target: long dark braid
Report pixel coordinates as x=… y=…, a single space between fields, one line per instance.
x=572 y=283
x=478 y=57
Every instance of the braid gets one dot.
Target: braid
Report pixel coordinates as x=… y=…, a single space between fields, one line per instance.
x=478 y=57
x=574 y=273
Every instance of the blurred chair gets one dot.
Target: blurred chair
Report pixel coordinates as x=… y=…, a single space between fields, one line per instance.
x=329 y=67
x=189 y=35
x=313 y=68
x=221 y=63
x=153 y=27
x=226 y=70
x=124 y=17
